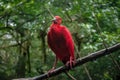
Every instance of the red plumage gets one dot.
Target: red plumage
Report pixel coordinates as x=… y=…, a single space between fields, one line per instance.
x=60 y=41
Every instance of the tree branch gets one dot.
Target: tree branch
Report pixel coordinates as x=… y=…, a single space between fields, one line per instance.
x=80 y=61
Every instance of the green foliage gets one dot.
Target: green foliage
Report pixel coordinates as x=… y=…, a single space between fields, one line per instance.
x=23 y=28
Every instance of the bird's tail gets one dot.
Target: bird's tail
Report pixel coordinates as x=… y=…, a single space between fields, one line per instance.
x=69 y=75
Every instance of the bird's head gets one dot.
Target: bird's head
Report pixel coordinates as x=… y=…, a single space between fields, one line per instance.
x=57 y=20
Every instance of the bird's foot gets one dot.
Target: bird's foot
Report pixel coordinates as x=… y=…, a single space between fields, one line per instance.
x=50 y=71
x=71 y=63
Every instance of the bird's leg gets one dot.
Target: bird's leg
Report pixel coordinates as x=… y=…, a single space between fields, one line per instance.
x=54 y=65
x=71 y=62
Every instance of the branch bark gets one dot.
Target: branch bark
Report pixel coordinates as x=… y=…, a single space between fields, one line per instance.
x=80 y=61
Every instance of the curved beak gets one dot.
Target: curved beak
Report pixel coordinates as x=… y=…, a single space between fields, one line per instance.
x=54 y=20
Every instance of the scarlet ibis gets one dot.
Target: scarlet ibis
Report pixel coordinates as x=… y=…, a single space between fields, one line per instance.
x=61 y=43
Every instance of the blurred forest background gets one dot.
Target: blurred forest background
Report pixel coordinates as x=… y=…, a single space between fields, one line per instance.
x=24 y=25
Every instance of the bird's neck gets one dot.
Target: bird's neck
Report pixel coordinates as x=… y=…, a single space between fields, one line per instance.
x=55 y=25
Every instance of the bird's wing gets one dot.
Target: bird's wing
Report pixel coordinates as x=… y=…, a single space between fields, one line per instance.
x=69 y=41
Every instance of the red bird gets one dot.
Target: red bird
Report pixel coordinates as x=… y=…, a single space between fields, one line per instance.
x=61 y=43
